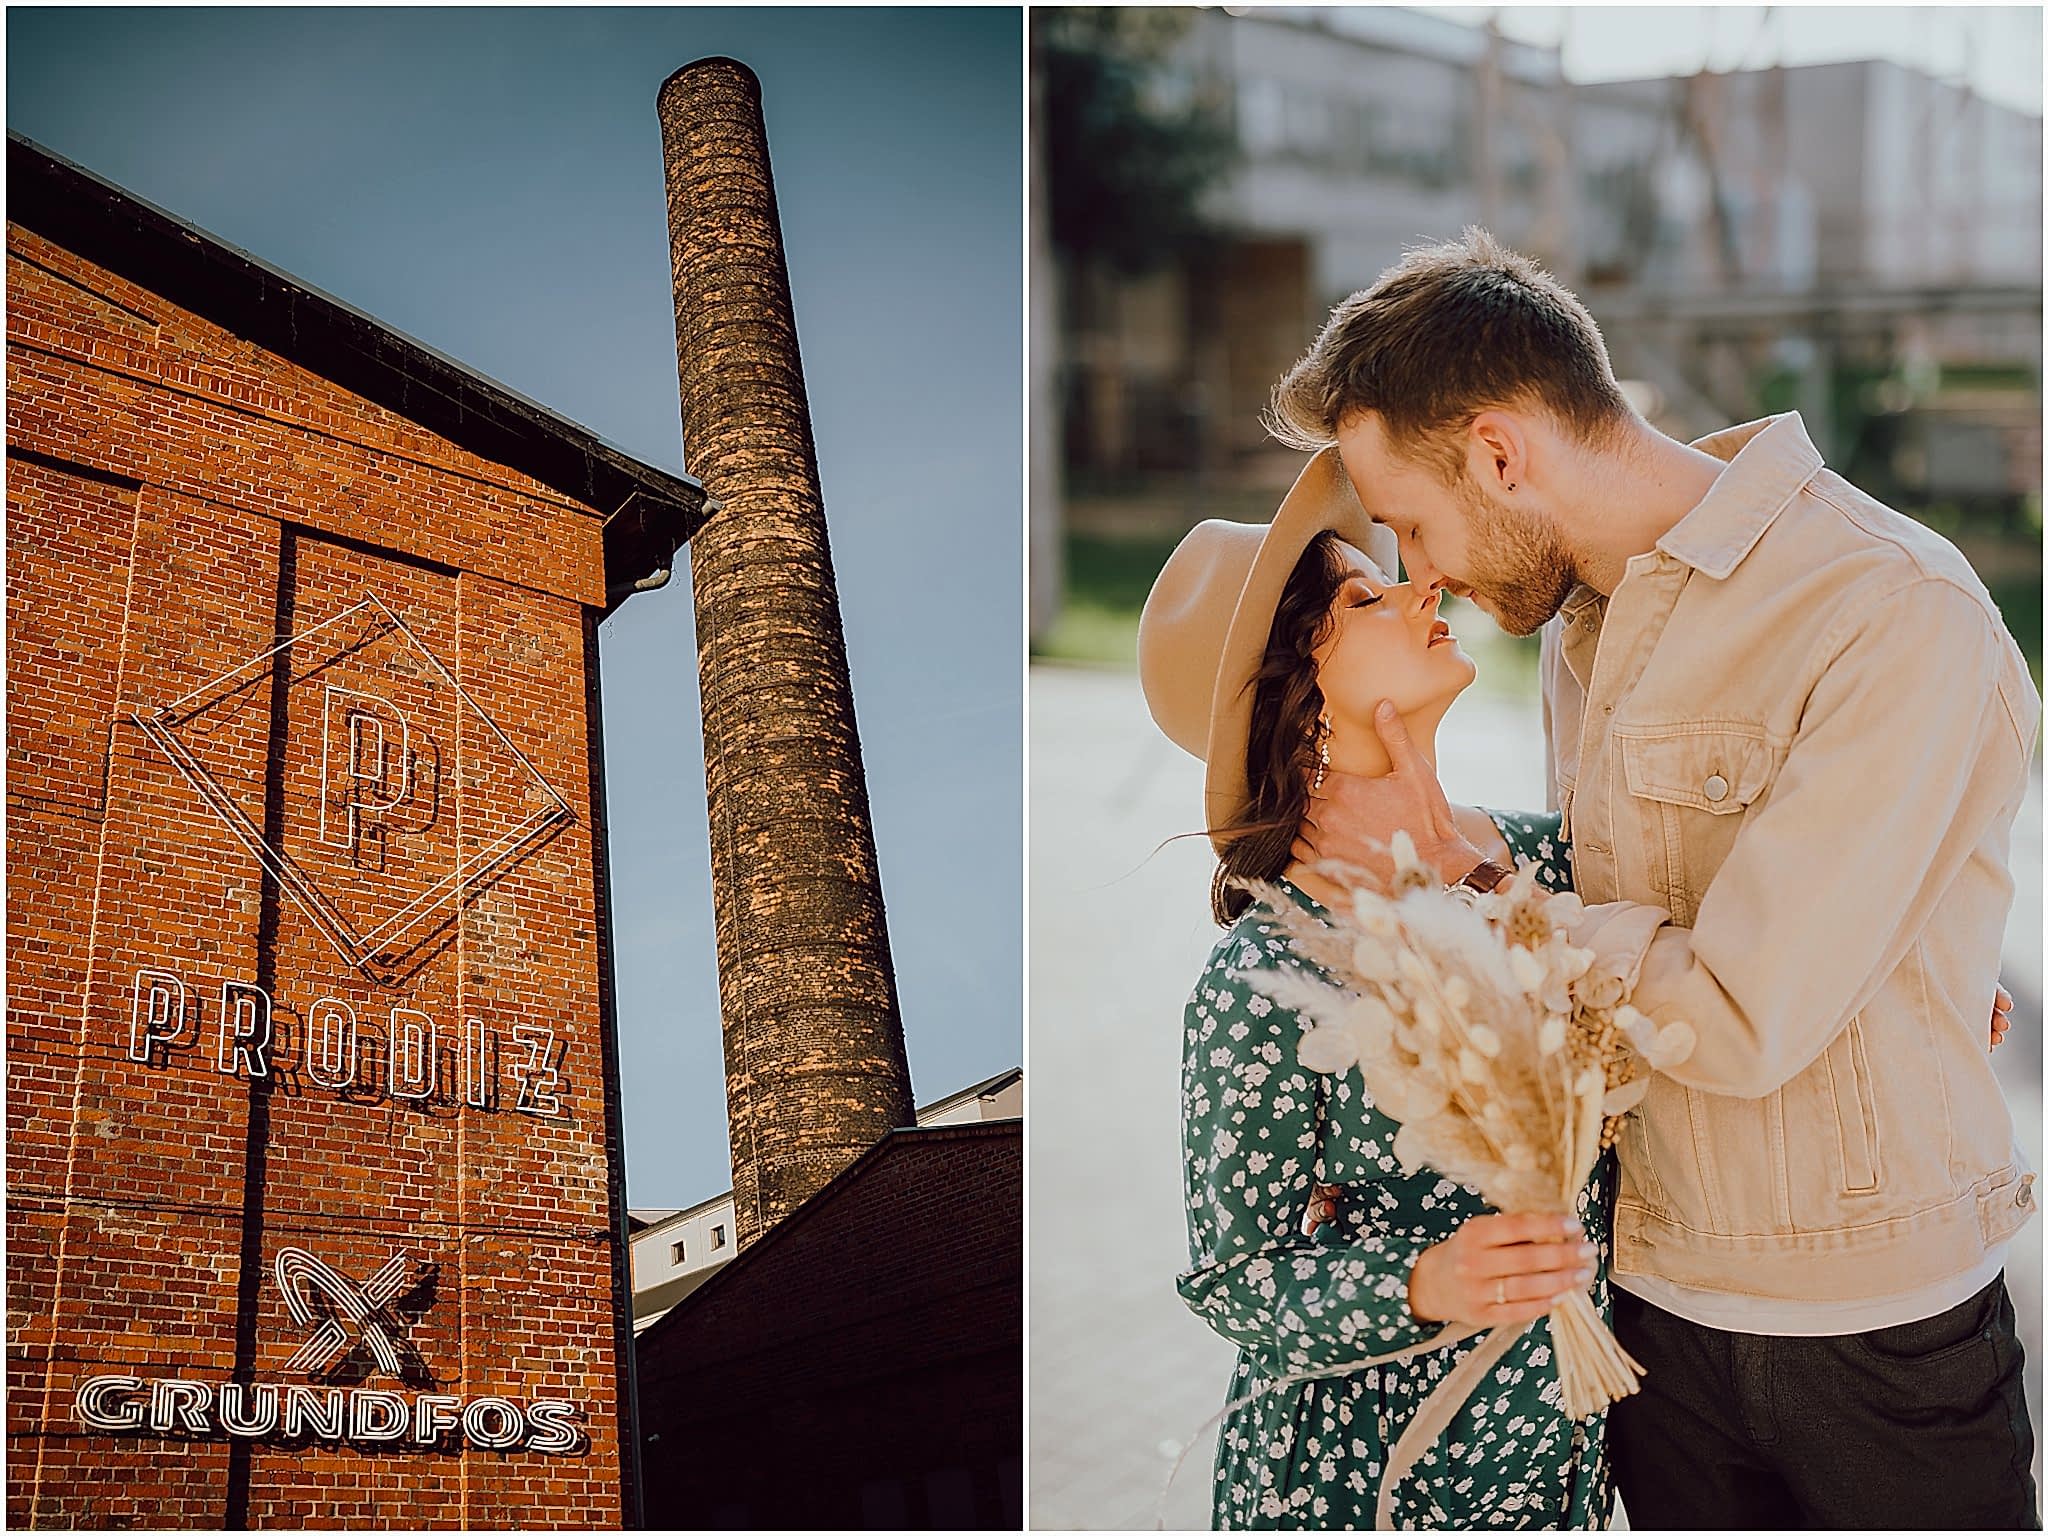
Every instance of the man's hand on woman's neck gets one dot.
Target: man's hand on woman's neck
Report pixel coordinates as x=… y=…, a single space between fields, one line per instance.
x=1354 y=819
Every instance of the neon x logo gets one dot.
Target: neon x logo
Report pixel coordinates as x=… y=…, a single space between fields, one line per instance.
x=347 y=1305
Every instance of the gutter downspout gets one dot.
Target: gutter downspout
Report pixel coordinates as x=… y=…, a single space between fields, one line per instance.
x=658 y=578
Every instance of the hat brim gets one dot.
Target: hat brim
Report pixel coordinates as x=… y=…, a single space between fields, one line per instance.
x=1321 y=501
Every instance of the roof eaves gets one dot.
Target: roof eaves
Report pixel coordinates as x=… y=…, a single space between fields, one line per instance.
x=649 y=512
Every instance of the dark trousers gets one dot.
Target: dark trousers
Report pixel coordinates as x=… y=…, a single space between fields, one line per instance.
x=1922 y=1427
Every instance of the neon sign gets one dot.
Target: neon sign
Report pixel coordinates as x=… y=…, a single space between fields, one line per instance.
x=344 y=1315
x=382 y=858
x=331 y=1056
x=398 y=743
x=362 y=1415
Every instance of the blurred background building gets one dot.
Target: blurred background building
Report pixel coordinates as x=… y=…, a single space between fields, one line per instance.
x=1857 y=240
x=1790 y=228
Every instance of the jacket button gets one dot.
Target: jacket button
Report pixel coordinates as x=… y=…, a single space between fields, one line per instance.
x=2025 y=1197
x=1717 y=788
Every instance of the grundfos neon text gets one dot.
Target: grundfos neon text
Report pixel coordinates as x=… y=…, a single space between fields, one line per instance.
x=367 y=1416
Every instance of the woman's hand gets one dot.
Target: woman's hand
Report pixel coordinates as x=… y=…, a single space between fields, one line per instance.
x=1322 y=1207
x=1500 y=1269
x=2001 y=1016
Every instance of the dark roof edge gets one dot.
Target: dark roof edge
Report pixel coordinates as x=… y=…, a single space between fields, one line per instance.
x=969 y=1130
x=649 y=512
x=978 y=1090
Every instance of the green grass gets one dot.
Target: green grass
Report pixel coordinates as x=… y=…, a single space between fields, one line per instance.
x=1107 y=580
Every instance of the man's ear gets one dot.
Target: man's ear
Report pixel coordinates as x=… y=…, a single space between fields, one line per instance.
x=1497 y=450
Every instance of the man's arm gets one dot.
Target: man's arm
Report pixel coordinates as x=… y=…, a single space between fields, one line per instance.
x=1907 y=753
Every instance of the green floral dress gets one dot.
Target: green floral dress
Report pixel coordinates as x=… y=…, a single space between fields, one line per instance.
x=1259 y=1131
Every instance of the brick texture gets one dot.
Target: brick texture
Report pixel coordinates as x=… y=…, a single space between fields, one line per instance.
x=180 y=502
x=862 y=1365
x=814 y=1062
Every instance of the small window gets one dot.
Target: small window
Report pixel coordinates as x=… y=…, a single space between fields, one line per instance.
x=718 y=1237
x=675 y=1253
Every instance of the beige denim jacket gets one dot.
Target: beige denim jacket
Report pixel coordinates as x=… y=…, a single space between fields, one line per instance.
x=1789 y=750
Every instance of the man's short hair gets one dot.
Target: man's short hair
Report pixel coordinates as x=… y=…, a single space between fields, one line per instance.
x=1446 y=332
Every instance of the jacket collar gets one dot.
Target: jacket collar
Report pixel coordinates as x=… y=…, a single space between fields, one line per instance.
x=1769 y=462
x=1577 y=600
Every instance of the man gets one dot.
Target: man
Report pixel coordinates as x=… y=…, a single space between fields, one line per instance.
x=1788 y=733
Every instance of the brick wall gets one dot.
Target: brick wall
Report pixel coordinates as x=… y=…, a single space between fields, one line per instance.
x=179 y=503
x=861 y=1365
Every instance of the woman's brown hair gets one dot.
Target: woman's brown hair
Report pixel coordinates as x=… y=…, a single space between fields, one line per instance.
x=1280 y=748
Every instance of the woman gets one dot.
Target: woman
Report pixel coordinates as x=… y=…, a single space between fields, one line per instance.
x=1264 y=651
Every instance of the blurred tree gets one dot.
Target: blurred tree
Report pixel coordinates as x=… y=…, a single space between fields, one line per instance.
x=1129 y=145
x=1127 y=135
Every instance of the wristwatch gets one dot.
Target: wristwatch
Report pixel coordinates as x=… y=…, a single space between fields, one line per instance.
x=1485 y=876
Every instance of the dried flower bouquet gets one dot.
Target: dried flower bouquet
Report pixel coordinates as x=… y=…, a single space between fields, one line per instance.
x=1506 y=1057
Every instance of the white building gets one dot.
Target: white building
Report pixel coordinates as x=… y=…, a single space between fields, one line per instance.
x=1862 y=175
x=674 y=1252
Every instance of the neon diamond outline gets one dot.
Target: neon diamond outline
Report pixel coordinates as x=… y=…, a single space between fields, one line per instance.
x=358 y=949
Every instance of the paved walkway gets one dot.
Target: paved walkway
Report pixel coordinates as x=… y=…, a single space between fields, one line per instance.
x=1119 y=1372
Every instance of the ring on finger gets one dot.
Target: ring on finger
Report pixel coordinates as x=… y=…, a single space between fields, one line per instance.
x=1500 y=1292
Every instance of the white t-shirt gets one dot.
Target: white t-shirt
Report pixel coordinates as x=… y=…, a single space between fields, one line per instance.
x=1810 y=1319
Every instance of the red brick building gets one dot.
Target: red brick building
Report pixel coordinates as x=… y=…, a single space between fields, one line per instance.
x=315 y=1203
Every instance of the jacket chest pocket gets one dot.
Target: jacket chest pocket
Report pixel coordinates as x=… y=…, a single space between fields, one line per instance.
x=1692 y=784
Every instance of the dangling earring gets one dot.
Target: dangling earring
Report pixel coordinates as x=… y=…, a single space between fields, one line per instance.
x=1322 y=754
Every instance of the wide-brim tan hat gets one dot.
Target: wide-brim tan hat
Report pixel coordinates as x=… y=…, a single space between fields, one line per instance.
x=1204 y=629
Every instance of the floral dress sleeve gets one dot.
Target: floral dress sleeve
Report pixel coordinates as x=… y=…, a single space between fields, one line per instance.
x=1251 y=1118
x=1537 y=838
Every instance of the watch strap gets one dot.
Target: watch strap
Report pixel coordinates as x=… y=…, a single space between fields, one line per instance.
x=1485 y=876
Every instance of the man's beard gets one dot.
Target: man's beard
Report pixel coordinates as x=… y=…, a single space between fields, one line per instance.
x=1518 y=563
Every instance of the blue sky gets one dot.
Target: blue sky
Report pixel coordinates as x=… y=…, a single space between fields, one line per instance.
x=489 y=181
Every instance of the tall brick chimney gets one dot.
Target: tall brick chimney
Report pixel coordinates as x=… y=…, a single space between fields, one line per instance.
x=814 y=1062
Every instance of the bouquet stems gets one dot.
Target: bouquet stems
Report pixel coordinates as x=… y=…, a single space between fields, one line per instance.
x=1592 y=1368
